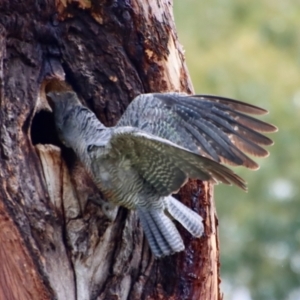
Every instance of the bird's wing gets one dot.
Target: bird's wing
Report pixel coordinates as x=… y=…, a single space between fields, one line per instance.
x=164 y=165
x=216 y=127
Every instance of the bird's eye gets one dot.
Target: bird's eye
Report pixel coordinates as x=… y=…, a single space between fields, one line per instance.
x=93 y=147
x=90 y=148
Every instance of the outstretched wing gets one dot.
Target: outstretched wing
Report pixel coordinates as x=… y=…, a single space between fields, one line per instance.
x=165 y=165
x=216 y=127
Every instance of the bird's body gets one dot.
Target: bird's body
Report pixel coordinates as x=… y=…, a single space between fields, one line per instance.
x=155 y=148
x=110 y=170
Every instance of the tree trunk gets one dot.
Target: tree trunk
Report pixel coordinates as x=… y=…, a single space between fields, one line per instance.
x=54 y=243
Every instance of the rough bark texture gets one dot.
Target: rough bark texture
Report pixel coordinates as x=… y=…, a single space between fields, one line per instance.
x=54 y=243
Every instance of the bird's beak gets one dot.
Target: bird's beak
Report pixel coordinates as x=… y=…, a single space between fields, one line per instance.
x=50 y=95
x=52 y=99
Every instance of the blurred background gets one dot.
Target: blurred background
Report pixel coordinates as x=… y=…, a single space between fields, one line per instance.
x=250 y=50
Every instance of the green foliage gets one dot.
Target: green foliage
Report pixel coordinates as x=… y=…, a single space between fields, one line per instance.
x=250 y=50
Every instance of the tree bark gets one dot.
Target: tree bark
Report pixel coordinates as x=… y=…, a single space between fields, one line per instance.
x=54 y=242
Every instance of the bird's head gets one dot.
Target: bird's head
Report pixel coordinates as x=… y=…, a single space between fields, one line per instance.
x=64 y=105
x=60 y=101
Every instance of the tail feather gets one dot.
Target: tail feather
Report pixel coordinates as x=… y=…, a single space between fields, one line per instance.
x=162 y=235
x=156 y=249
x=190 y=220
x=168 y=230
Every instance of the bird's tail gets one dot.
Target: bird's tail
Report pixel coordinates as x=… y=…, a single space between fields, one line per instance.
x=162 y=235
x=190 y=220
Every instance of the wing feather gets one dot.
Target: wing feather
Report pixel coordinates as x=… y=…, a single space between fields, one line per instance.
x=167 y=166
x=216 y=127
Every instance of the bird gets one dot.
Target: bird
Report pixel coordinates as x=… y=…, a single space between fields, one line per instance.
x=160 y=141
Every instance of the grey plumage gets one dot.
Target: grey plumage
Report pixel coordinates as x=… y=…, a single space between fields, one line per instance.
x=160 y=141
x=215 y=126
